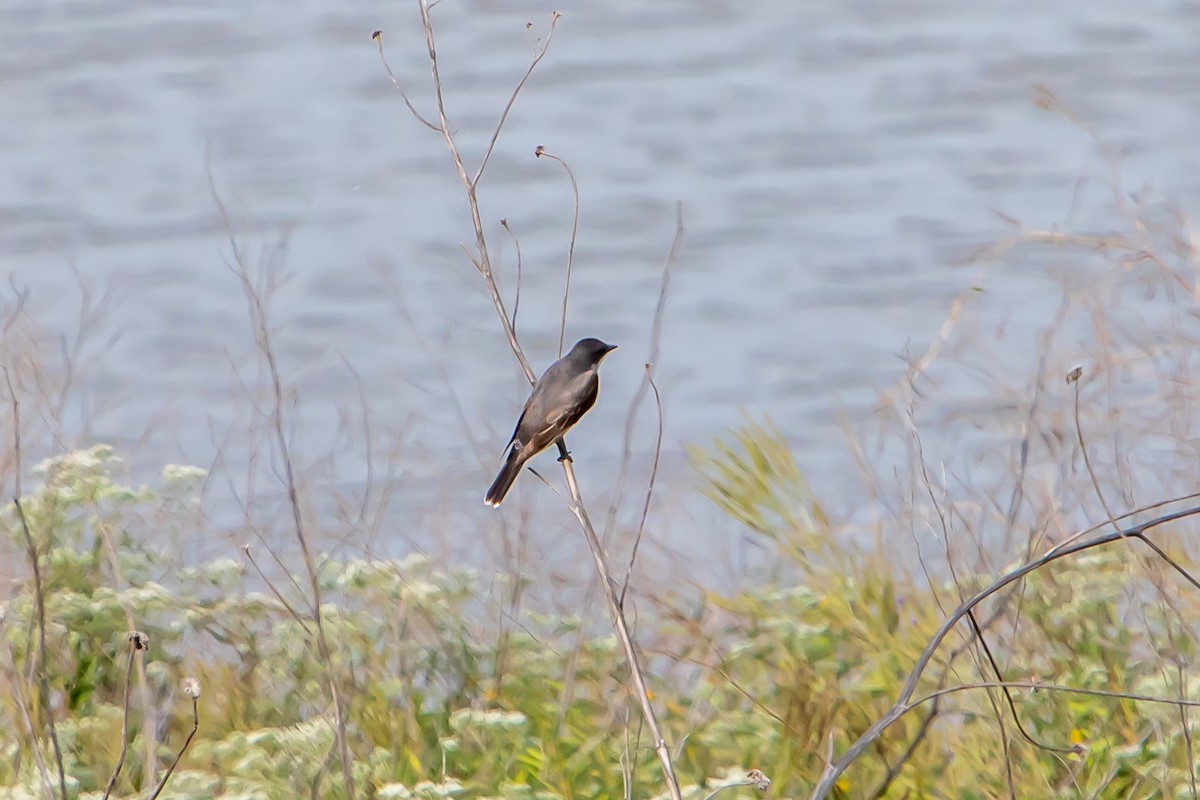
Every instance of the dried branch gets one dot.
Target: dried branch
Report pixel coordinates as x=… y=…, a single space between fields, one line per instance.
x=902 y=705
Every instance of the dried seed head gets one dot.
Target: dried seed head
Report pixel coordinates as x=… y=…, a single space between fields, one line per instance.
x=190 y=687
x=1075 y=374
x=759 y=780
x=139 y=640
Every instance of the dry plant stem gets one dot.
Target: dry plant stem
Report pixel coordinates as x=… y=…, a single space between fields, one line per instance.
x=378 y=37
x=643 y=387
x=278 y=595
x=1087 y=461
x=902 y=705
x=517 y=294
x=309 y=562
x=635 y=404
x=1050 y=687
x=637 y=541
x=1186 y=728
x=1112 y=520
x=23 y=705
x=171 y=769
x=562 y=331
x=931 y=354
x=43 y=678
x=39 y=596
x=618 y=618
x=481 y=260
x=1004 y=747
x=1012 y=706
x=112 y=781
x=262 y=334
x=483 y=264
x=893 y=770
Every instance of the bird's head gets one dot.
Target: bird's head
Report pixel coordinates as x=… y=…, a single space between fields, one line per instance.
x=591 y=351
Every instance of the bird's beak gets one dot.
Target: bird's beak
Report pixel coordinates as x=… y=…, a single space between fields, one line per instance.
x=611 y=347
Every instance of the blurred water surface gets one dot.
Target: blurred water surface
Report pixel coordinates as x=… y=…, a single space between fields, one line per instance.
x=836 y=162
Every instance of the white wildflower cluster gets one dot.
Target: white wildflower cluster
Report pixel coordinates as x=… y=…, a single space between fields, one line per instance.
x=466 y=718
x=78 y=461
x=183 y=474
x=425 y=790
x=84 y=475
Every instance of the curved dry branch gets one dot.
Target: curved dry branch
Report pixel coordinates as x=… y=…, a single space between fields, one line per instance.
x=835 y=769
x=541 y=152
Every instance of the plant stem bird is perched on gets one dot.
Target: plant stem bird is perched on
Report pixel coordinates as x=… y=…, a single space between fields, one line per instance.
x=561 y=397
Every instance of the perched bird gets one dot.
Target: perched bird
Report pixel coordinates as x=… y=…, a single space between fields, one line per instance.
x=561 y=397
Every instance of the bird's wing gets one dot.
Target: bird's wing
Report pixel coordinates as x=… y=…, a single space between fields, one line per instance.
x=549 y=418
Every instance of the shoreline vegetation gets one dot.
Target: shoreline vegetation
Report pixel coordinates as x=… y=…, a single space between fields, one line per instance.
x=1012 y=621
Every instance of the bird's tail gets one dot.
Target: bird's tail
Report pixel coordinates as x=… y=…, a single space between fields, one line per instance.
x=508 y=474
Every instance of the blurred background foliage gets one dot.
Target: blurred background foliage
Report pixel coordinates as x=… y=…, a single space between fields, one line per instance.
x=442 y=704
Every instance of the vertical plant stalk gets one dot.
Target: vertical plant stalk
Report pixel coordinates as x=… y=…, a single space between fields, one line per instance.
x=137 y=641
x=310 y=565
x=39 y=596
x=617 y=613
x=191 y=688
x=481 y=261
x=483 y=264
x=262 y=334
x=658 y=439
x=39 y=758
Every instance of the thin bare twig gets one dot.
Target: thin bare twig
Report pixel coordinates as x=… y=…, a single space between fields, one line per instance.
x=310 y=565
x=258 y=310
x=191 y=689
x=517 y=294
x=635 y=402
x=481 y=260
x=39 y=596
x=39 y=759
x=538 y=54
x=275 y=591
x=637 y=541
x=1051 y=687
x=43 y=677
x=893 y=769
x=137 y=641
x=378 y=37
x=562 y=331
x=1008 y=696
x=1073 y=378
